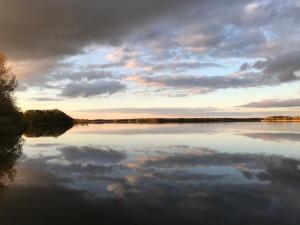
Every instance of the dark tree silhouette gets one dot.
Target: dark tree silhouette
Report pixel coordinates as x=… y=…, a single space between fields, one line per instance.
x=8 y=84
x=10 y=117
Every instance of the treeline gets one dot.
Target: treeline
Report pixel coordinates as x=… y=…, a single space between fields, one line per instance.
x=35 y=123
x=46 y=123
x=47 y=117
x=173 y=120
x=281 y=119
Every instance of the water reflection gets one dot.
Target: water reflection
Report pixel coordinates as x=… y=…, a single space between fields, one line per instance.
x=47 y=130
x=10 y=151
x=71 y=183
x=276 y=137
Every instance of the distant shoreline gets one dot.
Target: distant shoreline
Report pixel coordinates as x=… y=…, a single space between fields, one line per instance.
x=185 y=120
x=281 y=121
x=168 y=120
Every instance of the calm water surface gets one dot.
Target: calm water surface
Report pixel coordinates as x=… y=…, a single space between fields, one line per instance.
x=241 y=173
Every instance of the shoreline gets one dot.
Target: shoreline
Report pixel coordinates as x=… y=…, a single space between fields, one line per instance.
x=184 y=120
x=167 y=120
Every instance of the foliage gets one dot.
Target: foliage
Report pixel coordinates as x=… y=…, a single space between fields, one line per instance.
x=8 y=84
x=281 y=119
x=10 y=116
x=46 y=117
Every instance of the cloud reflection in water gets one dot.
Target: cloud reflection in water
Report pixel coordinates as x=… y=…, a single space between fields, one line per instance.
x=171 y=184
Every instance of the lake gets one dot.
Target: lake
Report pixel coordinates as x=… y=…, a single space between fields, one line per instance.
x=222 y=173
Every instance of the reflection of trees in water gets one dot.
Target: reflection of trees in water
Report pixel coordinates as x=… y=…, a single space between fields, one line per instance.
x=47 y=130
x=10 y=151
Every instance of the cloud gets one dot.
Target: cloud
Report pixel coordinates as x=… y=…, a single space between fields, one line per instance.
x=35 y=69
x=129 y=113
x=285 y=67
x=88 y=89
x=168 y=40
x=79 y=83
x=91 y=155
x=45 y=145
x=88 y=75
x=157 y=111
x=46 y=99
x=276 y=137
x=200 y=190
x=273 y=71
x=198 y=84
x=56 y=28
x=260 y=64
x=244 y=67
x=34 y=29
x=179 y=66
x=132 y=59
x=274 y=103
x=203 y=159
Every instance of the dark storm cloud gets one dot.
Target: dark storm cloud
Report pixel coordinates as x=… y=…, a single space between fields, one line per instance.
x=274 y=103
x=35 y=29
x=88 y=89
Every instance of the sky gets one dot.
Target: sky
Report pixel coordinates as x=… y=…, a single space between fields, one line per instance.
x=153 y=58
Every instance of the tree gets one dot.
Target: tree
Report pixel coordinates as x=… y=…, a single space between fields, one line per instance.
x=10 y=117
x=8 y=84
